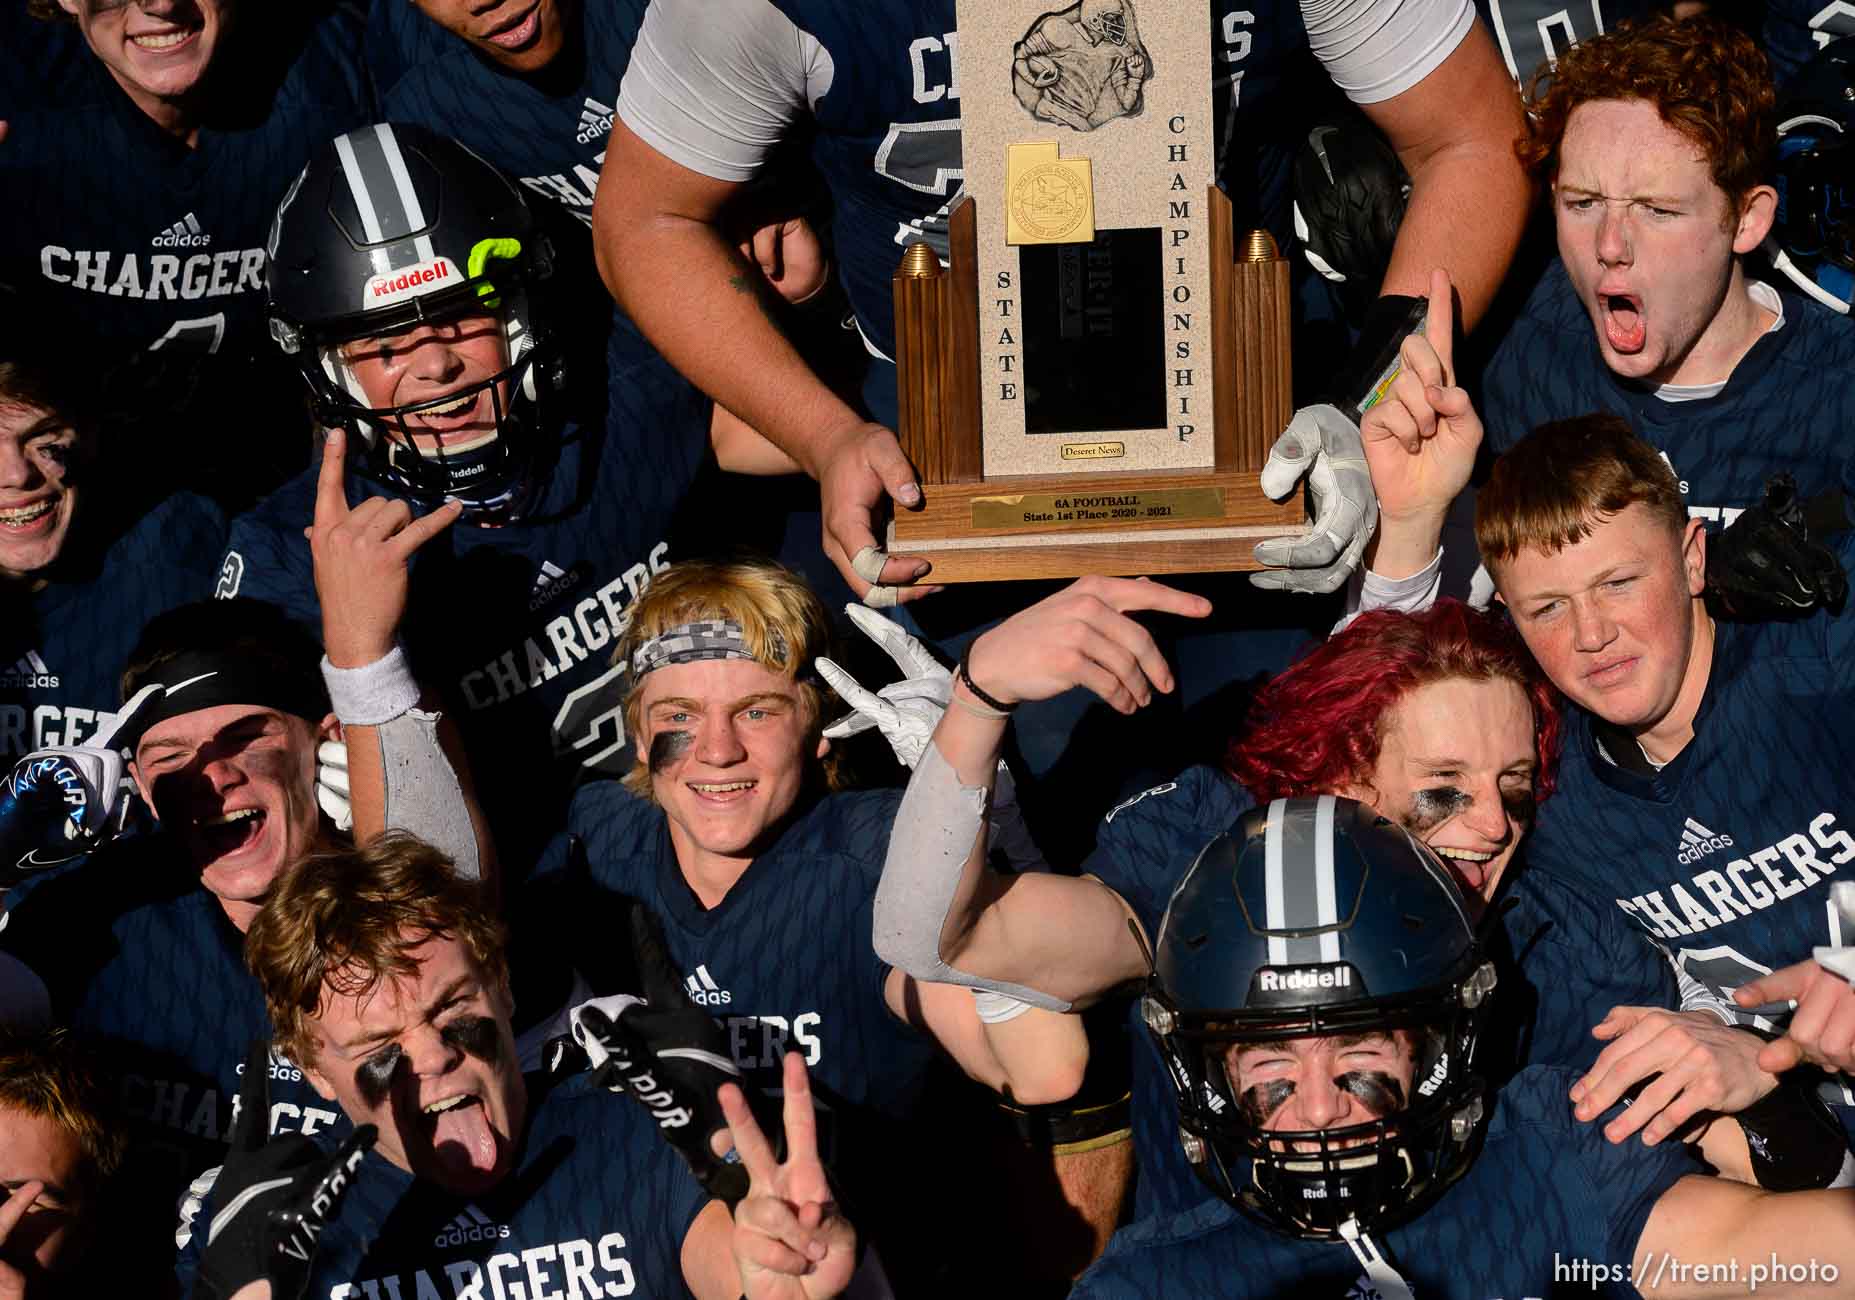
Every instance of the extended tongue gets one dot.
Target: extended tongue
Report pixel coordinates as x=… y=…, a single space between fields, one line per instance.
x=463 y=1140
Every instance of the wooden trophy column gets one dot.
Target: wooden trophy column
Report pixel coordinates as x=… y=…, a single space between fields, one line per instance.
x=976 y=528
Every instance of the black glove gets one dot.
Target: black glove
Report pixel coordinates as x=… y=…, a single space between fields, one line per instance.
x=1766 y=564
x=671 y=1055
x=272 y=1198
x=56 y=805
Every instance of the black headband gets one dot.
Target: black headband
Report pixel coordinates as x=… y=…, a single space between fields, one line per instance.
x=205 y=679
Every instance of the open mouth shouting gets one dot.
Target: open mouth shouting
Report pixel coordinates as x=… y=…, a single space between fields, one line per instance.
x=1622 y=318
x=230 y=832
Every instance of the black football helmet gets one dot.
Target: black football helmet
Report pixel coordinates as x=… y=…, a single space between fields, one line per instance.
x=390 y=227
x=1316 y=918
x=1812 y=241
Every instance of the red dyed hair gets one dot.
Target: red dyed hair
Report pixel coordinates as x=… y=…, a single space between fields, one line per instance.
x=1317 y=726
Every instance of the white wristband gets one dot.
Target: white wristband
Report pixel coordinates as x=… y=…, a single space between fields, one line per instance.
x=372 y=694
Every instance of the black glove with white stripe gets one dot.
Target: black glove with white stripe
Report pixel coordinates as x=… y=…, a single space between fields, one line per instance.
x=669 y=1054
x=273 y=1198
x=1769 y=563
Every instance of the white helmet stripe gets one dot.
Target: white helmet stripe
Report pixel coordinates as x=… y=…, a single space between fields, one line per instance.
x=1275 y=906
x=408 y=197
x=1326 y=904
x=363 y=203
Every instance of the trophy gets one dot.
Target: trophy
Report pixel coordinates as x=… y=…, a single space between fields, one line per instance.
x=1094 y=381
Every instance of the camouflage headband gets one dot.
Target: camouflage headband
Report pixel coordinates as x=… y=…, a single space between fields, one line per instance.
x=714 y=638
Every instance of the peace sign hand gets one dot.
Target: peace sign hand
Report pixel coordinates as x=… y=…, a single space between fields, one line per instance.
x=361 y=558
x=790 y=1243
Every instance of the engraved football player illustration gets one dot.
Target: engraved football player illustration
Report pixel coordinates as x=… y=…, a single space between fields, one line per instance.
x=1081 y=66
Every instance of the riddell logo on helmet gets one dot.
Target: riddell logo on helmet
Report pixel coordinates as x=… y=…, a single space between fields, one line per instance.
x=1304 y=978
x=409 y=282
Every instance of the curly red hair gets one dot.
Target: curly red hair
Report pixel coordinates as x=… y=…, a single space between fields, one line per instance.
x=1704 y=76
x=1317 y=727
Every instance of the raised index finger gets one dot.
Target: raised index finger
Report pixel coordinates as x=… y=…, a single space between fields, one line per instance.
x=1439 y=326
x=331 y=494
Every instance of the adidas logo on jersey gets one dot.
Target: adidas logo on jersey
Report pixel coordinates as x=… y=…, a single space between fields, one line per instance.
x=30 y=673
x=703 y=989
x=185 y=233
x=471 y=1225
x=1697 y=842
x=549 y=583
x=595 y=121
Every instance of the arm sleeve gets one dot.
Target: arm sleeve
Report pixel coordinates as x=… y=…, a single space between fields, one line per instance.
x=1377 y=49
x=714 y=84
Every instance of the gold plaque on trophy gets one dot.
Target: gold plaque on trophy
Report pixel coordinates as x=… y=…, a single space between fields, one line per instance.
x=1092 y=383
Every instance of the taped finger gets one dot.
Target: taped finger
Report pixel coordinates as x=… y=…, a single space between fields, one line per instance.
x=881 y=597
x=867 y=565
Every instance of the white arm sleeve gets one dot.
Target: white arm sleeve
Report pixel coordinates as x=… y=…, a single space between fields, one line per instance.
x=1455 y=570
x=1377 y=49
x=714 y=84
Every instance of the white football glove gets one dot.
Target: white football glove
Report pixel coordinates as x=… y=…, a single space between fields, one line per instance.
x=906 y=712
x=1841 y=961
x=332 y=783
x=1321 y=443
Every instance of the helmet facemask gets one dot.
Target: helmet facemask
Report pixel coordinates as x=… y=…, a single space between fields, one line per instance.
x=1313 y=1183
x=488 y=464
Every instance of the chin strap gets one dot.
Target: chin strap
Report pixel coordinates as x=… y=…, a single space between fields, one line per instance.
x=1378 y=1269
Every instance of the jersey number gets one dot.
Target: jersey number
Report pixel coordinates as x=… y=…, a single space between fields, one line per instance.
x=200 y=333
x=1531 y=33
x=924 y=157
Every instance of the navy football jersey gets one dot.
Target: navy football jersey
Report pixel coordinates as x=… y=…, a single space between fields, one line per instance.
x=1785 y=407
x=1725 y=855
x=598 y=1205
x=515 y=626
x=1794 y=30
x=63 y=647
x=548 y=132
x=784 y=962
x=131 y=237
x=1546 y=1197
x=1562 y=962
x=141 y=960
x=1532 y=32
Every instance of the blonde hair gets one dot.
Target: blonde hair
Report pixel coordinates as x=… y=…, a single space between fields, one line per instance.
x=782 y=621
x=48 y=1076
x=344 y=922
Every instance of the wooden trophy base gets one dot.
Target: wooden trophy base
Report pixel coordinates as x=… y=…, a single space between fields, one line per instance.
x=979 y=529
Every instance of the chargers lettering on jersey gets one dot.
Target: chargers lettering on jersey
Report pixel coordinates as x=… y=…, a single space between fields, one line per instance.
x=23 y=730
x=1745 y=884
x=760 y=1042
x=595 y=621
x=563 y=1268
x=168 y=277
x=577 y=199
x=187 y=1108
